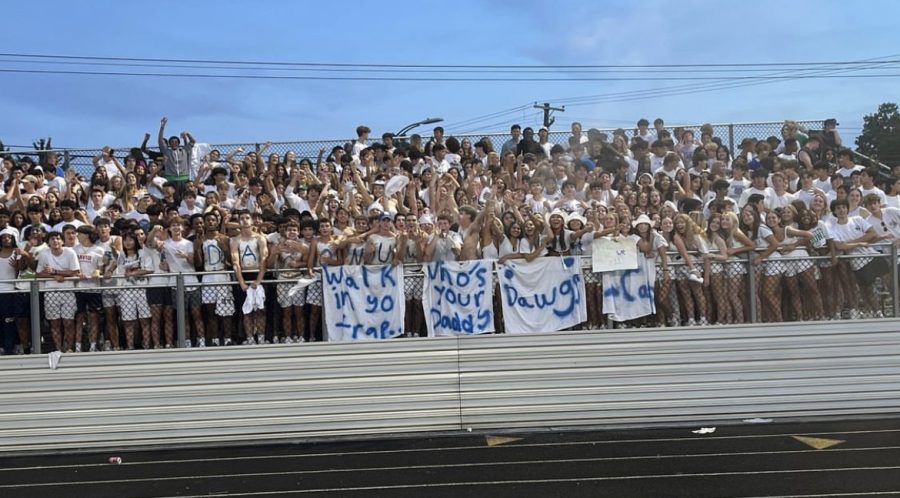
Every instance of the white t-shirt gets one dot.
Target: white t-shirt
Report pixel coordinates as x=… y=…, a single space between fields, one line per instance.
x=844 y=172
x=65 y=261
x=178 y=264
x=8 y=272
x=89 y=259
x=59 y=226
x=874 y=190
x=779 y=201
x=109 y=166
x=889 y=224
x=855 y=228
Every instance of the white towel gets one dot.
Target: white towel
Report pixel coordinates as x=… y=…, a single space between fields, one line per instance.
x=301 y=284
x=255 y=300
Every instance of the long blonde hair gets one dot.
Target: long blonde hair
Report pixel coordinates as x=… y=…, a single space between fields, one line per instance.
x=693 y=233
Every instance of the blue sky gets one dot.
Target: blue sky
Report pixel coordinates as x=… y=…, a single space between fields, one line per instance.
x=89 y=111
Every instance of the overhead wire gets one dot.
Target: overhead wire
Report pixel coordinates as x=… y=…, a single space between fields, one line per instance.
x=442 y=79
x=425 y=66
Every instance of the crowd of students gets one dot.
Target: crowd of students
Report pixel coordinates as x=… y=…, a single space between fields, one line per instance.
x=106 y=245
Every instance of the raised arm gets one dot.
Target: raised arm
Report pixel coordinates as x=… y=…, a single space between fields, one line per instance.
x=161 y=138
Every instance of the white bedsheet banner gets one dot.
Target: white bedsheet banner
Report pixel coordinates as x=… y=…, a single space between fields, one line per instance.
x=630 y=294
x=545 y=295
x=363 y=302
x=458 y=298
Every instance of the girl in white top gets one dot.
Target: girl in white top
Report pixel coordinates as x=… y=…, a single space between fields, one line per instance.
x=731 y=242
x=652 y=248
x=762 y=236
x=134 y=265
x=689 y=237
x=794 y=243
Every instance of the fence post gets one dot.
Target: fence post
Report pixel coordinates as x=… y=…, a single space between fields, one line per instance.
x=895 y=279
x=731 y=138
x=180 y=317
x=35 y=298
x=751 y=288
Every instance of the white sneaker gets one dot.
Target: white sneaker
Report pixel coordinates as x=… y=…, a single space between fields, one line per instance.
x=187 y=343
x=879 y=314
x=215 y=341
x=107 y=346
x=228 y=341
x=690 y=323
x=695 y=277
x=77 y=347
x=250 y=341
x=855 y=314
x=261 y=339
x=300 y=339
x=201 y=343
x=19 y=349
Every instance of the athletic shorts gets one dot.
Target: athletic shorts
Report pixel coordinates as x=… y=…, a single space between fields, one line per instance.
x=133 y=304
x=89 y=302
x=60 y=306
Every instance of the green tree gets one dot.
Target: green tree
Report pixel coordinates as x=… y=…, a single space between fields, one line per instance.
x=880 y=137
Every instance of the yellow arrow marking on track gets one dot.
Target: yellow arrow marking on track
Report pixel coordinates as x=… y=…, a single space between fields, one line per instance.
x=498 y=440
x=818 y=442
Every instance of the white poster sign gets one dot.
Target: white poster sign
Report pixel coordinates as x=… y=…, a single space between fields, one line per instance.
x=614 y=253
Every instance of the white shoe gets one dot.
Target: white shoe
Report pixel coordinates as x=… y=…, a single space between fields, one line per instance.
x=215 y=341
x=187 y=343
x=250 y=341
x=261 y=339
x=690 y=323
x=93 y=348
x=19 y=349
x=855 y=314
x=201 y=343
x=227 y=341
x=695 y=277
x=77 y=347
x=107 y=346
x=879 y=314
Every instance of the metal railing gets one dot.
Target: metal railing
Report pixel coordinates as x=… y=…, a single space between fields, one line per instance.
x=731 y=134
x=761 y=297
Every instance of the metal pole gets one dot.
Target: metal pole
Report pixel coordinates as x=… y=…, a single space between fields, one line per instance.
x=180 y=318
x=731 y=138
x=895 y=279
x=751 y=287
x=35 y=318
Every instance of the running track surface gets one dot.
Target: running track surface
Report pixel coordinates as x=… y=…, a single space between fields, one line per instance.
x=753 y=459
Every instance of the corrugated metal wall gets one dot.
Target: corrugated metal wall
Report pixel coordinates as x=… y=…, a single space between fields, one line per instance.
x=242 y=394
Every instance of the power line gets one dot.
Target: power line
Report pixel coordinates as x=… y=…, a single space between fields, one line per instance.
x=696 y=88
x=485 y=117
x=445 y=79
x=541 y=70
x=423 y=66
x=670 y=90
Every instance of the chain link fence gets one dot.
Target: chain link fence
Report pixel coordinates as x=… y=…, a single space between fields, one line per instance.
x=731 y=135
x=126 y=313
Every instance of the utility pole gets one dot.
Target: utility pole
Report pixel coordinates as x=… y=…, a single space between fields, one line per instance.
x=547 y=111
